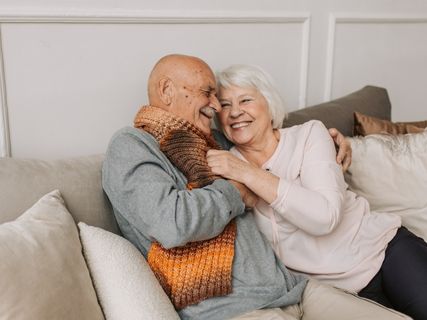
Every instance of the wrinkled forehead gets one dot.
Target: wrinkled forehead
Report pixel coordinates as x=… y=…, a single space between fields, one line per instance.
x=199 y=74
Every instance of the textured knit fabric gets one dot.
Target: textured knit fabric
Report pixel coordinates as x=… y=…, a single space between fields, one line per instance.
x=151 y=202
x=197 y=270
x=315 y=224
x=182 y=142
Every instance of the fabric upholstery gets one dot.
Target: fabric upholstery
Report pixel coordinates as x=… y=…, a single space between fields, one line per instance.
x=125 y=284
x=24 y=181
x=325 y=302
x=370 y=100
x=43 y=272
x=391 y=173
x=364 y=125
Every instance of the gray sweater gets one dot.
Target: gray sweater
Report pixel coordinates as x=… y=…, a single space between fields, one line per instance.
x=151 y=202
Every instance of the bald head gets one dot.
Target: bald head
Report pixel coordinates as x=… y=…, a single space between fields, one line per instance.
x=184 y=86
x=179 y=69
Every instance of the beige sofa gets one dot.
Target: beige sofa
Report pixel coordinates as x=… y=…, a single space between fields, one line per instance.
x=24 y=181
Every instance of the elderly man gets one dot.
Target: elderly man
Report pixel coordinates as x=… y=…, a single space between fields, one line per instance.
x=192 y=226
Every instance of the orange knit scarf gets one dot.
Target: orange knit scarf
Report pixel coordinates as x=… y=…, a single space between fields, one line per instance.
x=197 y=270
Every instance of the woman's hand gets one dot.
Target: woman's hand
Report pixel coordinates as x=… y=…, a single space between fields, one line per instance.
x=226 y=164
x=344 y=148
x=260 y=182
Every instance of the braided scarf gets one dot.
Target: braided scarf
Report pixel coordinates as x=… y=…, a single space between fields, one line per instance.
x=197 y=270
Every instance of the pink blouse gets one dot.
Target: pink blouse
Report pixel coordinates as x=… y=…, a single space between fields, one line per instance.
x=316 y=226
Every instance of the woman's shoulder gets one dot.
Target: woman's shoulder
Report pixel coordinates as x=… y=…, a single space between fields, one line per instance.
x=305 y=128
x=306 y=125
x=308 y=132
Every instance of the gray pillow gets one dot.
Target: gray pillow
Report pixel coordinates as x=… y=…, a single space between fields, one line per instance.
x=370 y=100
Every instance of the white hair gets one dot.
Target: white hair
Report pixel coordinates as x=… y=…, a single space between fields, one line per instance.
x=249 y=76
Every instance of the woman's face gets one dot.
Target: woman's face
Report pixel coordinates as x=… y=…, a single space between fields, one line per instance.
x=244 y=117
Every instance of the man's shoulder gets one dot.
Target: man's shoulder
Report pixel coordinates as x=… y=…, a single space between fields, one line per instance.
x=132 y=134
x=129 y=131
x=132 y=142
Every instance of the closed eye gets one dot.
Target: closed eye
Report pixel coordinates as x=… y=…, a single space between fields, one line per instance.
x=207 y=93
x=225 y=104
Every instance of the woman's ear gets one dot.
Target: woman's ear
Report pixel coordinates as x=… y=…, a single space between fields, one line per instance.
x=166 y=91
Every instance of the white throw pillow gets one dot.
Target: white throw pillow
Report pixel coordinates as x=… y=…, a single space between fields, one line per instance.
x=43 y=274
x=124 y=282
x=390 y=171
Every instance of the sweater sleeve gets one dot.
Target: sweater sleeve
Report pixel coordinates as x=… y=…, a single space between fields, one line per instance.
x=314 y=203
x=144 y=187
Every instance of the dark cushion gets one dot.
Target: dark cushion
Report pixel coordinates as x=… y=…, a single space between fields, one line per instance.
x=370 y=100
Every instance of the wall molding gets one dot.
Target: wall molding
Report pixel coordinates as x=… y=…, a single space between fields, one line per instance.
x=4 y=119
x=92 y=16
x=344 y=18
x=305 y=56
x=150 y=17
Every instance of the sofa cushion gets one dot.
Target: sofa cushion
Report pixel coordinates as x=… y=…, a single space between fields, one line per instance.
x=43 y=272
x=364 y=125
x=125 y=284
x=391 y=173
x=24 y=181
x=370 y=100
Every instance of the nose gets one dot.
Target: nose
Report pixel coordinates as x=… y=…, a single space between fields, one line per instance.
x=215 y=103
x=235 y=110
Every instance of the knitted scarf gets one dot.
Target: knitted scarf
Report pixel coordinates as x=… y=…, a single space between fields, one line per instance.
x=197 y=270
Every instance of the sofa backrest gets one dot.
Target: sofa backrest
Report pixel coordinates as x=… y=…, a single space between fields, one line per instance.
x=24 y=181
x=369 y=100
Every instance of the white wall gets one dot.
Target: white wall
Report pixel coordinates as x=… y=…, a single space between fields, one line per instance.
x=73 y=72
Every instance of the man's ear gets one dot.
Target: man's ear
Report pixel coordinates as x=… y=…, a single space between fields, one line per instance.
x=166 y=90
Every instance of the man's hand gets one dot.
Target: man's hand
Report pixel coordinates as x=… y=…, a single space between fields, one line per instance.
x=344 y=148
x=249 y=198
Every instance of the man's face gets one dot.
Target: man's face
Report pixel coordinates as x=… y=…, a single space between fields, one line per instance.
x=196 y=99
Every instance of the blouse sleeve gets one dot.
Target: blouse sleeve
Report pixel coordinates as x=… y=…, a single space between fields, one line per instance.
x=314 y=205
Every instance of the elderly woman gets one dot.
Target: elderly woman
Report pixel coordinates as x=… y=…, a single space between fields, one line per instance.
x=316 y=226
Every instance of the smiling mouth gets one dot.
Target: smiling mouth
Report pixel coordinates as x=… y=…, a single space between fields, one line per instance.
x=240 y=125
x=208 y=112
